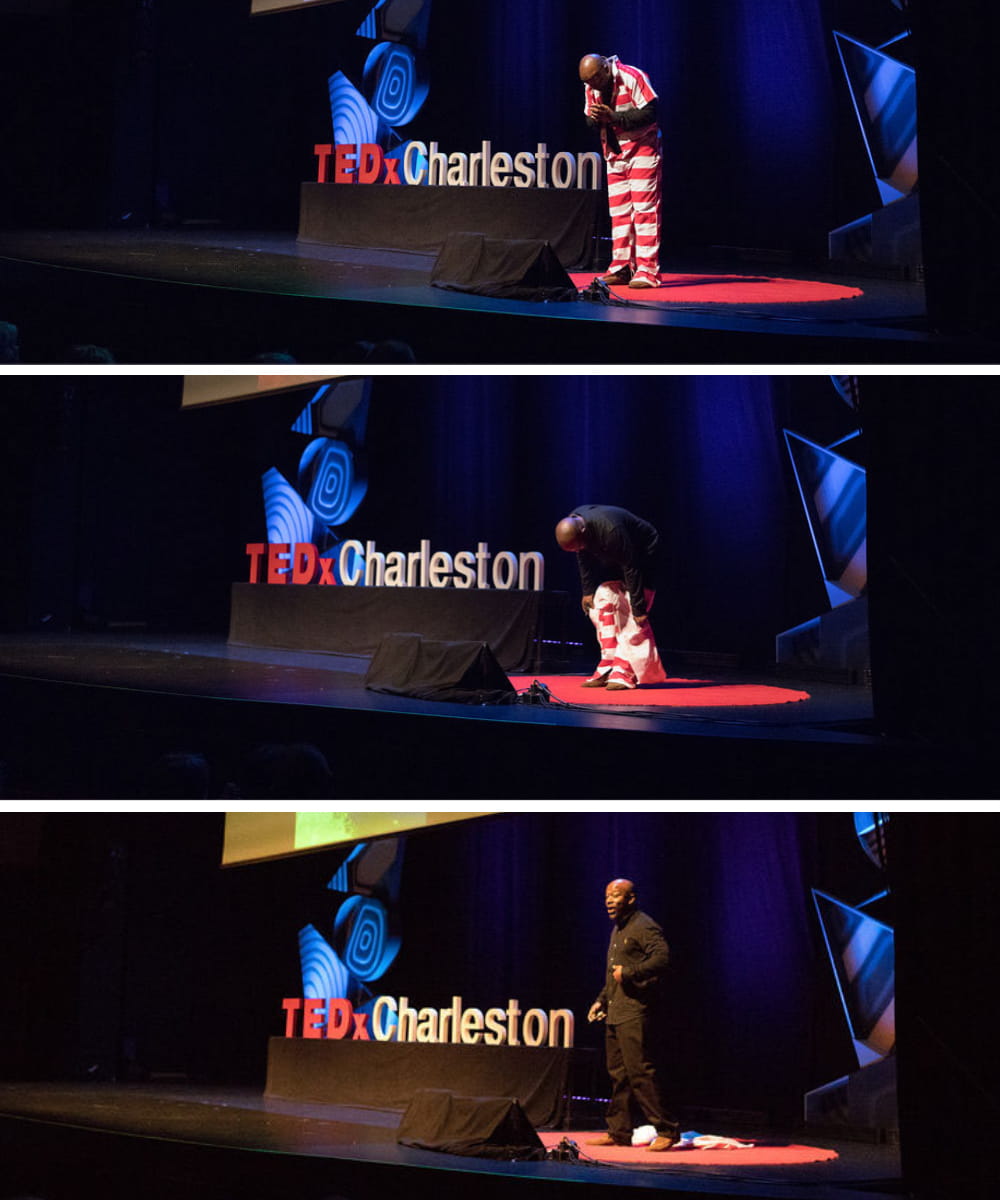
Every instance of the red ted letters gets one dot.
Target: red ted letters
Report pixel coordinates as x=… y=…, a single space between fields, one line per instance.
x=311 y=1018
x=355 y=164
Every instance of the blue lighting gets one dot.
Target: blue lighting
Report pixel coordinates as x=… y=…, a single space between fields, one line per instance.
x=862 y=955
x=288 y=518
x=393 y=80
x=332 y=473
x=364 y=941
x=884 y=93
x=834 y=495
x=355 y=122
x=327 y=479
x=871 y=831
x=361 y=933
x=323 y=974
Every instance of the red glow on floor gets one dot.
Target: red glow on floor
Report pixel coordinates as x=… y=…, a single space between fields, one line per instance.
x=731 y=289
x=675 y=693
x=633 y=1156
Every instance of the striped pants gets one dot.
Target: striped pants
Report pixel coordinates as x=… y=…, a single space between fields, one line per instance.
x=634 y=205
x=628 y=649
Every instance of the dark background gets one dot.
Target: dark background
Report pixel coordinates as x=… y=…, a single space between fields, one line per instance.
x=130 y=953
x=122 y=510
x=119 y=113
x=136 y=954
x=132 y=510
x=137 y=111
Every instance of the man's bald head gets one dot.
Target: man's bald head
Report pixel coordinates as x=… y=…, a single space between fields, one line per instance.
x=594 y=70
x=570 y=533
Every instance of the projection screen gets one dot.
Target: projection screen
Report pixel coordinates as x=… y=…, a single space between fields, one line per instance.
x=267 y=6
x=220 y=389
x=256 y=837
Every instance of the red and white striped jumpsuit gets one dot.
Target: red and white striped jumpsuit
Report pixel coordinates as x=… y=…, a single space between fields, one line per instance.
x=632 y=158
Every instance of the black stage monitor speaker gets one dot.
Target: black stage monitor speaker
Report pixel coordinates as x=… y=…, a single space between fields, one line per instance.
x=510 y=268
x=476 y=1126
x=406 y=664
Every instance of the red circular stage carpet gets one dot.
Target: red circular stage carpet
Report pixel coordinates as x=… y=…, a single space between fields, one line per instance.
x=639 y=1156
x=731 y=289
x=675 y=693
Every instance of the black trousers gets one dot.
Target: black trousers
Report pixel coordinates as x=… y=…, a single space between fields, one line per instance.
x=636 y=1098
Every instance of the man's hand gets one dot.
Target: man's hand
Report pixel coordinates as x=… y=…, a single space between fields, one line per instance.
x=601 y=113
x=616 y=974
x=641 y=631
x=596 y=1013
x=588 y=603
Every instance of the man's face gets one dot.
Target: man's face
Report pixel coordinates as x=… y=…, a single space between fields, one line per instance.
x=598 y=77
x=617 y=900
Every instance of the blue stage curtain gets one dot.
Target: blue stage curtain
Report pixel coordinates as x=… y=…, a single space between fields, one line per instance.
x=747 y=100
x=700 y=457
x=512 y=907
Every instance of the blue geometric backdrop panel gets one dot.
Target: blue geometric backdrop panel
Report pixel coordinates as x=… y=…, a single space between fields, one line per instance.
x=862 y=955
x=884 y=92
x=363 y=937
x=834 y=495
x=355 y=122
x=332 y=470
x=288 y=518
x=394 y=81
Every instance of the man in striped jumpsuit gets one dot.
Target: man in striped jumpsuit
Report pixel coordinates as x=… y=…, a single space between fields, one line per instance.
x=621 y=103
x=617 y=555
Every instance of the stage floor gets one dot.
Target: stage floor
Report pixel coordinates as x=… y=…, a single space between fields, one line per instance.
x=211 y=667
x=219 y=296
x=89 y=715
x=291 y=1146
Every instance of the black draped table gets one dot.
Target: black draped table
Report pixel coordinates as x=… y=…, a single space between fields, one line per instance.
x=353 y=620
x=386 y=1075
x=419 y=219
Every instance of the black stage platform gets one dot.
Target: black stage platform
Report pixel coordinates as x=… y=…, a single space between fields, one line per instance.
x=87 y=714
x=192 y=295
x=70 y=1141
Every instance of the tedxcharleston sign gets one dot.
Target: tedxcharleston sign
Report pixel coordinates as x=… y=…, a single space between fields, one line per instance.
x=362 y=564
x=393 y=1020
x=423 y=164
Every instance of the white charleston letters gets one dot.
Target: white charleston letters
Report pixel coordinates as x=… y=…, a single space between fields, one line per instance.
x=428 y=164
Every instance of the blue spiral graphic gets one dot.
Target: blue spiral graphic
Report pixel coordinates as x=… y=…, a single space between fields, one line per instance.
x=354 y=122
x=394 y=83
x=328 y=482
x=362 y=937
x=323 y=974
x=288 y=519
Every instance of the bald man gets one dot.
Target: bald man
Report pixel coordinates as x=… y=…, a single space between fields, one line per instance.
x=619 y=101
x=617 y=556
x=637 y=960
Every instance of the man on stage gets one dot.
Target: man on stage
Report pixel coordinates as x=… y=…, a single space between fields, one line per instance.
x=621 y=103
x=617 y=554
x=637 y=959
